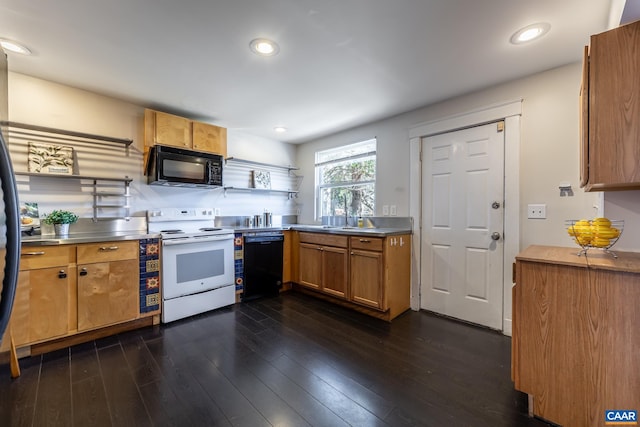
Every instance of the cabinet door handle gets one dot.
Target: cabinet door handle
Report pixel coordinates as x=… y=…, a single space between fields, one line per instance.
x=34 y=253
x=110 y=248
x=352 y=253
x=319 y=248
x=83 y=272
x=62 y=274
x=365 y=241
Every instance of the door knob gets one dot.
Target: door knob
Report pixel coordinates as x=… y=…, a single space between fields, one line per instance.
x=495 y=236
x=495 y=205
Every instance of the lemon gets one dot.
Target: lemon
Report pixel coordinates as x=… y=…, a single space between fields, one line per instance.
x=600 y=242
x=605 y=233
x=583 y=240
x=602 y=221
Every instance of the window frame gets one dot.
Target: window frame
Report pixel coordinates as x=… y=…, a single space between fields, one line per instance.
x=318 y=187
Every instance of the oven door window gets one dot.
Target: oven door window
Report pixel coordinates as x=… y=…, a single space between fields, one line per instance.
x=196 y=267
x=200 y=265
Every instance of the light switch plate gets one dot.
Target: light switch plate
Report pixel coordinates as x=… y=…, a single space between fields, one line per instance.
x=537 y=211
x=385 y=210
x=393 y=210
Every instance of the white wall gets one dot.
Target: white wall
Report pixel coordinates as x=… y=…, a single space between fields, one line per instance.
x=549 y=151
x=625 y=205
x=39 y=102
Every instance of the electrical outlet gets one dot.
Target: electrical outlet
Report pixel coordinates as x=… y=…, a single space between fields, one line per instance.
x=385 y=210
x=393 y=211
x=537 y=211
x=216 y=211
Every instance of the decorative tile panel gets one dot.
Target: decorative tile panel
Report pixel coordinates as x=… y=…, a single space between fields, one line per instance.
x=149 y=275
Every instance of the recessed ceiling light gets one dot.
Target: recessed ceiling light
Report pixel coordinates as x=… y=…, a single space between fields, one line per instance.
x=530 y=32
x=14 y=47
x=264 y=47
x=280 y=129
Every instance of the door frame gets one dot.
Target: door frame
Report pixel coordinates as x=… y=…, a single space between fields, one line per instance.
x=510 y=112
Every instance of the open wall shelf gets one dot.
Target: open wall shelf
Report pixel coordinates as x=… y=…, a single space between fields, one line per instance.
x=110 y=194
x=102 y=200
x=239 y=177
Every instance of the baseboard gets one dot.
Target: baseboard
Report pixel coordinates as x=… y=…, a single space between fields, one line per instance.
x=507 y=325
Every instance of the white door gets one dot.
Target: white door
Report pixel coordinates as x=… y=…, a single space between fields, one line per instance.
x=462 y=224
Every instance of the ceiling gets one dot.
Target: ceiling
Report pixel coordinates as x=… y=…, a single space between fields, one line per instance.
x=342 y=63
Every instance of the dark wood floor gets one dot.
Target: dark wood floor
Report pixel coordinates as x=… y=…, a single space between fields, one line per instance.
x=286 y=361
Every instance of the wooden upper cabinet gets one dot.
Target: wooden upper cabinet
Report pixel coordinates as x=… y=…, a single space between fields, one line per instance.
x=612 y=159
x=210 y=138
x=168 y=129
x=584 y=120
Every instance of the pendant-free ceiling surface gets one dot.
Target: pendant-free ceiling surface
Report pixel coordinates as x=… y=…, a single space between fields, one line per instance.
x=340 y=63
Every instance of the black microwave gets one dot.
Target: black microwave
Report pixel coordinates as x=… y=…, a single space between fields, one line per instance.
x=183 y=168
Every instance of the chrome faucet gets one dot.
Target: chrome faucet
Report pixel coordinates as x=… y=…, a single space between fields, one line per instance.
x=346 y=211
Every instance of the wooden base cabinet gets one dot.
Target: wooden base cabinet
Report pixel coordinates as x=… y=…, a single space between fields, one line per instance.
x=575 y=333
x=335 y=264
x=67 y=289
x=44 y=305
x=108 y=291
x=48 y=301
x=324 y=263
x=366 y=278
x=369 y=274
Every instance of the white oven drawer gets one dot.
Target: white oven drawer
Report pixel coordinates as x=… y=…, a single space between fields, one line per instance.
x=179 y=308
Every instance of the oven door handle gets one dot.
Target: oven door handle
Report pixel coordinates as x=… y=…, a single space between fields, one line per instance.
x=196 y=239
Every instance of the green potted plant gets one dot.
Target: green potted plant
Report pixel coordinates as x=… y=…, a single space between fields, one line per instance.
x=60 y=220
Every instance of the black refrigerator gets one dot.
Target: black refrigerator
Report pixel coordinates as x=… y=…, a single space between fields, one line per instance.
x=9 y=211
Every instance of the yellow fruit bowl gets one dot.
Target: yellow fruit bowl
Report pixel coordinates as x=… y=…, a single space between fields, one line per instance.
x=601 y=233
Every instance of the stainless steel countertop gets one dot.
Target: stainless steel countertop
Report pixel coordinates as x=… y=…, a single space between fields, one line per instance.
x=248 y=230
x=329 y=229
x=49 y=239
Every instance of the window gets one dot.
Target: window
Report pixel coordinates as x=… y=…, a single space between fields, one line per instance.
x=346 y=180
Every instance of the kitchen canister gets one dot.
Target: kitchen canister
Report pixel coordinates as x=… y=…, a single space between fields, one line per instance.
x=257 y=221
x=267 y=219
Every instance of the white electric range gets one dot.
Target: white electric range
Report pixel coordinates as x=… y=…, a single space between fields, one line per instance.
x=197 y=269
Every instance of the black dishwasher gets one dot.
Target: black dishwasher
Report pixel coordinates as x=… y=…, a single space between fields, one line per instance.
x=262 y=265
